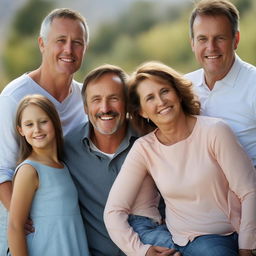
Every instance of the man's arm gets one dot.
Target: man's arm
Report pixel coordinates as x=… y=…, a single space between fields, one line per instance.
x=6 y=193
x=8 y=147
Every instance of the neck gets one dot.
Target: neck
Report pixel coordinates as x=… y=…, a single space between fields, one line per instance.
x=59 y=87
x=47 y=157
x=108 y=143
x=177 y=131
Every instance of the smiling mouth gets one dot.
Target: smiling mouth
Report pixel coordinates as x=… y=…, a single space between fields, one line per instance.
x=213 y=57
x=106 y=118
x=165 y=110
x=39 y=137
x=67 y=60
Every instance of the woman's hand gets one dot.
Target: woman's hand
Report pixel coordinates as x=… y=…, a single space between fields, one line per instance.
x=244 y=252
x=161 y=251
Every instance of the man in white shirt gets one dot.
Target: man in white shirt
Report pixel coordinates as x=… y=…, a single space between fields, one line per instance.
x=63 y=41
x=225 y=84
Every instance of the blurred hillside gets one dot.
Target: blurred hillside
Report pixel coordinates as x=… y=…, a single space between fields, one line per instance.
x=122 y=32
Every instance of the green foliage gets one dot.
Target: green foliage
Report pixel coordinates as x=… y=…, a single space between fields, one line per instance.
x=247 y=45
x=21 y=53
x=25 y=53
x=145 y=32
x=242 y=6
x=29 y=18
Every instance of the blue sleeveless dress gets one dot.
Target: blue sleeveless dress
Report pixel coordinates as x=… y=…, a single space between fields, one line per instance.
x=55 y=213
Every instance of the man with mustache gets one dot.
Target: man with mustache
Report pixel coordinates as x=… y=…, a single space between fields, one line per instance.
x=95 y=151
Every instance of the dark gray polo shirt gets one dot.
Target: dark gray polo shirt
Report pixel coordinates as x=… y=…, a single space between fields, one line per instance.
x=94 y=174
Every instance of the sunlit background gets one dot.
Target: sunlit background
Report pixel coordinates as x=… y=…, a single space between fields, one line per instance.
x=122 y=32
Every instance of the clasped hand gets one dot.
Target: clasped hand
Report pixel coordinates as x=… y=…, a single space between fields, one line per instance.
x=161 y=251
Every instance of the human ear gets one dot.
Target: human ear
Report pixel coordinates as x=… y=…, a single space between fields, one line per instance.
x=236 y=39
x=143 y=114
x=85 y=108
x=41 y=44
x=20 y=131
x=192 y=44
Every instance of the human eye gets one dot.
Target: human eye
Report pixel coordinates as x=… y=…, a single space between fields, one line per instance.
x=220 y=38
x=165 y=90
x=114 y=98
x=61 y=40
x=78 y=42
x=95 y=99
x=28 y=124
x=149 y=97
x=43 y=121
x=201 y=39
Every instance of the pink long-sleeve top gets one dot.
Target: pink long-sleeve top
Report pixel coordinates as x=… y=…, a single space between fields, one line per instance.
x=195 y=177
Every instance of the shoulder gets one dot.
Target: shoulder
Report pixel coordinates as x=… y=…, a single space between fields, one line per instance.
x=212 y=126
x=247 y=74
x=77 y=134
x=247 y=67
x=195 y=76
x=146 y=140
x=18 y=87
x=77 y=86
x=26 y=172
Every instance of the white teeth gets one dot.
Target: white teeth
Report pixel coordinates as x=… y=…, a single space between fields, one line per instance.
x=67 y=60
x=212 y=57
x=106 y=117
x=165 y=110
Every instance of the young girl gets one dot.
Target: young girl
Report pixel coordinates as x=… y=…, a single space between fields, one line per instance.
x=42 y=187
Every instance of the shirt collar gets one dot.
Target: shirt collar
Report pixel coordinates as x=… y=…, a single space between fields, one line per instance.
x=231 y=76
x=130 y=136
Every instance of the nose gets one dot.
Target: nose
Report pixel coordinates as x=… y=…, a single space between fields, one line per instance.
x=37 y=127
x=160 y=100
x=105 y=107
x=211 y=45
x=68 y=47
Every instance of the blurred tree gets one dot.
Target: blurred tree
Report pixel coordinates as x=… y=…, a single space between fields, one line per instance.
x=242 y=6
x=28 y=19
x=247 y=45
x=21 y=53
x=118 y=41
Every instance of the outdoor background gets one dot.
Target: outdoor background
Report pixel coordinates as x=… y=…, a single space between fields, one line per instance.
x=122 y=32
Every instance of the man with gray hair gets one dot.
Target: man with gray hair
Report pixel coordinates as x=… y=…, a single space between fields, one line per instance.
x=63 y=41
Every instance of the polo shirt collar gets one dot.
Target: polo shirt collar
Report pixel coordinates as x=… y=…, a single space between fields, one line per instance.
x=231 y=76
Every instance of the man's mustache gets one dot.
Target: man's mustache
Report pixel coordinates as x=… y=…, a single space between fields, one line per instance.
x=109 y=113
